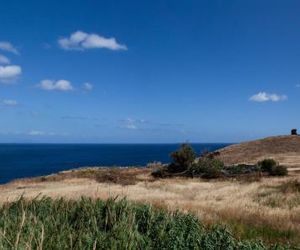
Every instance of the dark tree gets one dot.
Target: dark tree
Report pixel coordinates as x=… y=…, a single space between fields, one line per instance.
x=182 y=158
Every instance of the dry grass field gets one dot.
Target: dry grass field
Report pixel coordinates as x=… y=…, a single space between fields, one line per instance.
x=266 y=208
x=283 y=149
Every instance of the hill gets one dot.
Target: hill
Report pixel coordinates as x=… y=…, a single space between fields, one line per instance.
x=284 y=149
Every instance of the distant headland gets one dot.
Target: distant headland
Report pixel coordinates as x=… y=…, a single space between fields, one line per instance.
x=284 y=149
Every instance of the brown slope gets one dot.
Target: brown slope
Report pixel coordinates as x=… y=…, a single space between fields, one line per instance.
x=284 y=149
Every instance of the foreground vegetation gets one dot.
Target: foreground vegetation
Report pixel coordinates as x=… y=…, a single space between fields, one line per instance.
x=96 y=224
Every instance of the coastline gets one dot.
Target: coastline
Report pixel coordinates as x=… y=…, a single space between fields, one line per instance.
x=27 y=160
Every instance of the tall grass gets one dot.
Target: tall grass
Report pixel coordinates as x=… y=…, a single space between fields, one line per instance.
x=96 y=224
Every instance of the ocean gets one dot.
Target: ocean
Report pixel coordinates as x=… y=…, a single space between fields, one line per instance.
x=29 y=160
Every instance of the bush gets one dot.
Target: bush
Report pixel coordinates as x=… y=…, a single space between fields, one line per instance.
x=182 y=158
x=267 y=165
x=279 y=170
x=241 y=169
x=207 y=168
x=272 y=167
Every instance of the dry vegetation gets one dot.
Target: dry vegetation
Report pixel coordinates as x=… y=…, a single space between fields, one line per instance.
x=265 y=207
x=283 y=149
x=121 y=175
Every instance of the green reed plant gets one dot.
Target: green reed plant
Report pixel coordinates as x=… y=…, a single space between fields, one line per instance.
x=95 y=224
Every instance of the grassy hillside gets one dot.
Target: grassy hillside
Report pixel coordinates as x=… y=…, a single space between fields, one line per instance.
x=97 y=224
x=284 y=149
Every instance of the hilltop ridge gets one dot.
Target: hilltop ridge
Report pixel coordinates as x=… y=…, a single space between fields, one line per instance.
x=284 y=149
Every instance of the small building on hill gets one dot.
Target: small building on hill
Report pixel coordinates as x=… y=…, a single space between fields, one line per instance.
x=294 y=131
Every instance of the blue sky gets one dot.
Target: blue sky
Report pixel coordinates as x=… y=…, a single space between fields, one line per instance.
x=148 y=71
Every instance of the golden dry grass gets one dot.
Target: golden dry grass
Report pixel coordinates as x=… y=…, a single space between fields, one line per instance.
x=230 y=201
x=283 y=149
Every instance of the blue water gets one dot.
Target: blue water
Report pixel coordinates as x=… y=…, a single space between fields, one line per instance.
x=29 y=160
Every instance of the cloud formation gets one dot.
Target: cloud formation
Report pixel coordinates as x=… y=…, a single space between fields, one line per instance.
x=266 y=97
x=40 y=133
x=36 y=133
x=4 y=60
x=87 y=86
x=7 y=46
x=9 y=73
x=133 y=124
x=8 y=102
x=80 y=40
x=60 y=85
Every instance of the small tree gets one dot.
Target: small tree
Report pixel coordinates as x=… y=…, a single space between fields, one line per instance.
x=267 y=165
x=182 y=158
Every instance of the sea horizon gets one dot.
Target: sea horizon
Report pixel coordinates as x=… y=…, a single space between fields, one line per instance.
x=113 y=143
x=23 y=160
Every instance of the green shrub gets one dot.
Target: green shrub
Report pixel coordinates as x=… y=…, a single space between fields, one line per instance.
x=182 y=158
x=241 y=169
x=279 y=170
x=207 y=167
x=267 y=165
x=272 y=167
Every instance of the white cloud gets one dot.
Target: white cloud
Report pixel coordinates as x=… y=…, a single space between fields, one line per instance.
x=130 y=126
x=265 y=97
x=129 y=123
x=4 y=60
x=9 y=73
x=80 y=41
x=41 y=133
x=60 y=85
x=87 y=86
x=36 y=133
x=8 y=102
x=7 y=46
x=133 y=124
